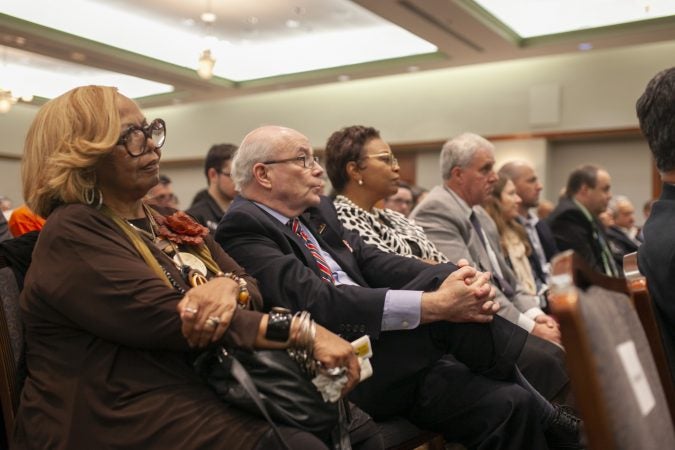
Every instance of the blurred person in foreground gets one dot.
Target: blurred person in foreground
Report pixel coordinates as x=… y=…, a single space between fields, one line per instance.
x=363 y=172
x=656 y=256
x=119 y=296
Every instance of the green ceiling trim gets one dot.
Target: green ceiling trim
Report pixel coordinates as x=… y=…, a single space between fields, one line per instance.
x=352 y=70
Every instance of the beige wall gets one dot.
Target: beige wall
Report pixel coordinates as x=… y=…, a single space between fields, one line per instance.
x=597 y=91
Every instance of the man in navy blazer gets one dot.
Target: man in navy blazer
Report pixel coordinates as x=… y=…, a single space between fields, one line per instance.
x=656 y=255
x=441 y=357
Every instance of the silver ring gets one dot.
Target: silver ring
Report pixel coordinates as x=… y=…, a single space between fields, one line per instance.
x=191 y=310
x=213 y=322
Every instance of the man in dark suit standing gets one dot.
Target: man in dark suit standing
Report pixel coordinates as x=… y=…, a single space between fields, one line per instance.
x=541 y=237
x=575 y=222
x=656 y=256
x=441 y=357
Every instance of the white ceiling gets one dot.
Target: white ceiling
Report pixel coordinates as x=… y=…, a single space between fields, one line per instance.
x=441 y=33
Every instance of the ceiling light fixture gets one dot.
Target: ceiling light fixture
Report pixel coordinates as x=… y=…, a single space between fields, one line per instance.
x=206 y=59
x=7 y=99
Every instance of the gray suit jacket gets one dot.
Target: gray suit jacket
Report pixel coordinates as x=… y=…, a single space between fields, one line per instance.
x=445 y=221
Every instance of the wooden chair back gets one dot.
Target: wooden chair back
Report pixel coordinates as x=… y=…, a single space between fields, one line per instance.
x=637 y=286
x=613 y=375
x=11 y=349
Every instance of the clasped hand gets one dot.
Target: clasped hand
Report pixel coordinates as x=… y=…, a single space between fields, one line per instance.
x=466 y=295
x=206 y=311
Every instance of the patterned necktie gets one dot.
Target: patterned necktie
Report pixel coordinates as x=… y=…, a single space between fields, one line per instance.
x=501 y=283
x=324 y=270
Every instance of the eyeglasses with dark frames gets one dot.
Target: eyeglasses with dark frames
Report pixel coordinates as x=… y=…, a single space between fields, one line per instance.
x=135 y=138
x=308 y=162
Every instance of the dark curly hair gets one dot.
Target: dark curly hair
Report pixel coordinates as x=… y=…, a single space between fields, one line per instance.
x=656 y=112
x=344 y=146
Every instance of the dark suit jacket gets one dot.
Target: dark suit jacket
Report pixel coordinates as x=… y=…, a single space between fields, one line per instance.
x=656 y=259
x=288 y=276
x=620 y=244
x=572 y=230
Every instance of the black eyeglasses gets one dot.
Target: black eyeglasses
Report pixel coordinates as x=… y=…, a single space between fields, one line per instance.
x=135 y=138
x=307 y=161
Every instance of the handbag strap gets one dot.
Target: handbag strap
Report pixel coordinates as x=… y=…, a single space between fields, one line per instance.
x=241 y=375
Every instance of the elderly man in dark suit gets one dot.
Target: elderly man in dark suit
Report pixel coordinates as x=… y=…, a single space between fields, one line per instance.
x=656 y=256
x=441 y=357
x=575 y=222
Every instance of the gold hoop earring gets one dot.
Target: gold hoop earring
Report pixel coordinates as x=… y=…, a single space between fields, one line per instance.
x=93 y=197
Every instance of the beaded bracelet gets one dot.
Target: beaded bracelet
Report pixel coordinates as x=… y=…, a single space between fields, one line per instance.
x=244 y=296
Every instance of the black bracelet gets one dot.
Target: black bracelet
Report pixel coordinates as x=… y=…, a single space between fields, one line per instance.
x=279 y=324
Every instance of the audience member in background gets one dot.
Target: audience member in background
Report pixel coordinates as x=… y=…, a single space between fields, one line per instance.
x=5 y=206
x=161 y=194
x=110 y=321
x=217 y=168
x=575 y=222
x=363 y=171
x=539 y=233
x=402 y=200
x=453 y=219
x=4 y=229
x=646 y=211
x=656 y=256
x=544 y=209
x=419 y=194
x=289 y=237
x=622 y=234
x=502 y=205
x=23 y=220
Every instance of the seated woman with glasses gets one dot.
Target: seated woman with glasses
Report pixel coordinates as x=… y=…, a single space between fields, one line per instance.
x=119 y=296
x=502 y=206
x=364 y=171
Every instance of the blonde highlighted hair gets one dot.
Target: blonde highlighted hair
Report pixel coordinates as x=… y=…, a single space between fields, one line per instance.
x=65 y=141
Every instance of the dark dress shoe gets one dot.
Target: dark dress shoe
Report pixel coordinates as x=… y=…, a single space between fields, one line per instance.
x=564 y=431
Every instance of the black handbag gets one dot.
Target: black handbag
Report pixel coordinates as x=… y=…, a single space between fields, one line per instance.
x=269 y=383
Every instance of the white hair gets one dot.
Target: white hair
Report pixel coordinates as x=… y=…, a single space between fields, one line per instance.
x=459 y=151
x=258 y=146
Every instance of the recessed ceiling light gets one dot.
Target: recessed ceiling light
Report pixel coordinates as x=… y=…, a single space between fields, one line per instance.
x=343 y=78
x=78 y=56
x=208 y=17
x=292 y=23
x=413 y=68
x=20 y=40
x=585 y=46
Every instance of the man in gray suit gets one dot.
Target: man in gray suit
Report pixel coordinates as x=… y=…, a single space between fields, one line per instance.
x=453 y=219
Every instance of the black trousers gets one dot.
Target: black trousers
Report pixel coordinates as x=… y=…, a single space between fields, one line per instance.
x=456 y=379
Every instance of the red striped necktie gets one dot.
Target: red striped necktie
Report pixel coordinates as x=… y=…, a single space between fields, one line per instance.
x=324 y=270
